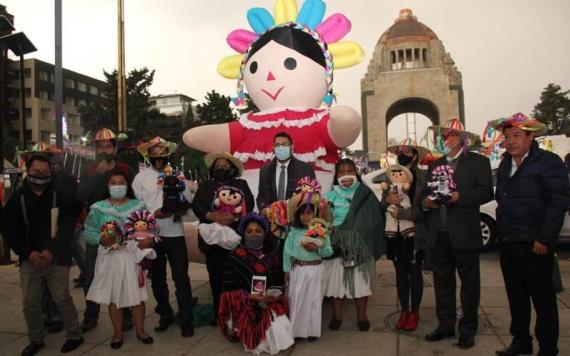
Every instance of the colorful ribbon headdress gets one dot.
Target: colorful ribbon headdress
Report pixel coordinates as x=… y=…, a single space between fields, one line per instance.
x=521 y=121
x=309 y=19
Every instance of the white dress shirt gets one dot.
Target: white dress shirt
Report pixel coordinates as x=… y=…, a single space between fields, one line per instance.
x=147 y=189
x=514 y=166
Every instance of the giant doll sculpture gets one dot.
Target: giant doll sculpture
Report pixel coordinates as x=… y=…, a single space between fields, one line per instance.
x=287 y=66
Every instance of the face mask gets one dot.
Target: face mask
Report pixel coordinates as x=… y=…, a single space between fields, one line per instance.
x=343 y=178
x=283 y=153
x=254 y=241
x=444 y=150
x=39 y=179
x=153 y=161
x=118 y=191
x=104 y=157
x=404 y=160
x=222 y=174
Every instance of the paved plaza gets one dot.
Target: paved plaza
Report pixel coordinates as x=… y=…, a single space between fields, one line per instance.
x=380 y=340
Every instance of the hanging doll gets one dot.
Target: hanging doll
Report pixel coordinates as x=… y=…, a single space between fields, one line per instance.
x=317 y=232
x=141 y=226
x=399 y=180
x=173 y=184
x=286 y=66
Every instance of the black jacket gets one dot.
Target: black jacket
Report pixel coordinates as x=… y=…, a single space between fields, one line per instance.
x=475 y=186
x=531 y=204
x=93 y=185
x=35 y=235
x=267 y=190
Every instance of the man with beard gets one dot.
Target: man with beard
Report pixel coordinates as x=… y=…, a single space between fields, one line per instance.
x=172 y=245
x=38 y=223
x=92 y=188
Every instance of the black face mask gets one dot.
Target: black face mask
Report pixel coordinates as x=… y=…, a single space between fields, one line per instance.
x=404 y=160
x=39 y=180
x=104 y=157
x=222 y=174
x=164 y=160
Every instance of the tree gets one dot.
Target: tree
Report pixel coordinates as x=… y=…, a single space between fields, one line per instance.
x=554 y=109
x=216 y=110
x=142 y=119
x=250 y=106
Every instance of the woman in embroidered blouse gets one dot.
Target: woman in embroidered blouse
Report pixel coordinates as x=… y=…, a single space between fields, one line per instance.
x=259 y=320
x=116 y=271
x=358 y=225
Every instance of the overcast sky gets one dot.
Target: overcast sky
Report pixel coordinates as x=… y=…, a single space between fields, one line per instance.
x=507 y=50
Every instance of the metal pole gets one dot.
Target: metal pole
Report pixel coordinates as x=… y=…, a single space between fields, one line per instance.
x=58 y=78
x=3 y=106
x=22 y=102
x=121 y=85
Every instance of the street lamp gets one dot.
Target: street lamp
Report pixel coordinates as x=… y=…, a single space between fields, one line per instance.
x=20 y=45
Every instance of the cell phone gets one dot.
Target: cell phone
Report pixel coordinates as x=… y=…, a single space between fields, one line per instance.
x=258 y=285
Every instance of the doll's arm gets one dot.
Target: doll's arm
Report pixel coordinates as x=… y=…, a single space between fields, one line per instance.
x=208 y=138
x=344 y=125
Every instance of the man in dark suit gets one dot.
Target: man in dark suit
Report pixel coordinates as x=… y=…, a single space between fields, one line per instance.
x=278 y=179
x=455 y=232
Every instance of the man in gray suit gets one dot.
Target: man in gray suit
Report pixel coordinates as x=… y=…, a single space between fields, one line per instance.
x=455 y=231
x=278 y=179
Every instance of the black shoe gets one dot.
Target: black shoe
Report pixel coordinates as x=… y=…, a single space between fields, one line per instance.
x=146 y=340
x=466 y=341
x=71 y=344
x=115 y=345
x=364 y=325
x=87 y=325
x=515 y=349
x=32 y=348
x=163 y=324
x=53 y=327
x=312 y=338
x=335 y=324
x=187 y=330
x=438 y=335
x=127 y=324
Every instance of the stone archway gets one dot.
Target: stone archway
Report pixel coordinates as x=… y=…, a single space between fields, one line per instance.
x=409 y=72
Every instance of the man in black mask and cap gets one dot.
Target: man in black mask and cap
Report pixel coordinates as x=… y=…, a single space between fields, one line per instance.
x=38 y=223
x=93 y=188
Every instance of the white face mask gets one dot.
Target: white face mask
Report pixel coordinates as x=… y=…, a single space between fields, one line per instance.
x=342 y=179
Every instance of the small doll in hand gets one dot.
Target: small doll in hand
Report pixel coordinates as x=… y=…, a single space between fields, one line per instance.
x=399 y=180
x=317 y=232
x=141 y=226
x=230 y=200
x=173 y=184
x=111 y=230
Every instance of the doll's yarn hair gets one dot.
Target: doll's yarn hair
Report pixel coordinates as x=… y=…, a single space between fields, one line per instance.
x=253 y=217
x=141 y=215
x=311 y=182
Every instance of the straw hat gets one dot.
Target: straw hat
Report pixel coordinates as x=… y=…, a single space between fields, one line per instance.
x=397 y=167
x=521 y=121
x=40 y=148
x=212 y=157
x=409 y=143
x=168 y=148
x=105 y=135
x=454 y=125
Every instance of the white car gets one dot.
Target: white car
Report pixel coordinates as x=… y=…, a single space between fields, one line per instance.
x=488 y=219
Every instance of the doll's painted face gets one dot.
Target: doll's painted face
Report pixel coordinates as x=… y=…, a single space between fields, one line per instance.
x=279 y=77
x=140 y=225
x=398 y=176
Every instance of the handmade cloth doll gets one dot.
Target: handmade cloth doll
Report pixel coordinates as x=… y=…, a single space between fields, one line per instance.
x=113 y=230
x=399 y=180
x=230 y=200
x=173 y=184
x=141 y=226
x=441 y=184
x=317 y=232
x=286 y=64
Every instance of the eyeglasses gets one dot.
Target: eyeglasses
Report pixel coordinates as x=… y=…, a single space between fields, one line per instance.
x=284 y=144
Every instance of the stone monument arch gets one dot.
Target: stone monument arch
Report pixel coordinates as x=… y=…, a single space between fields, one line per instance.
x=409 y=72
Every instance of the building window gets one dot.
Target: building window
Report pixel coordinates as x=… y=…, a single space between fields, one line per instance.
x=82 y=87
x=424 y=55
x=69 y=83
x=45 y=114
x=93 y=90
x=28 y=113
x=42 y=94
x=51 y=77
x=69 y=100
x=27 y=73
x=44 y=75
x=28 y=92
x=103 y=94
x=81 y=102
